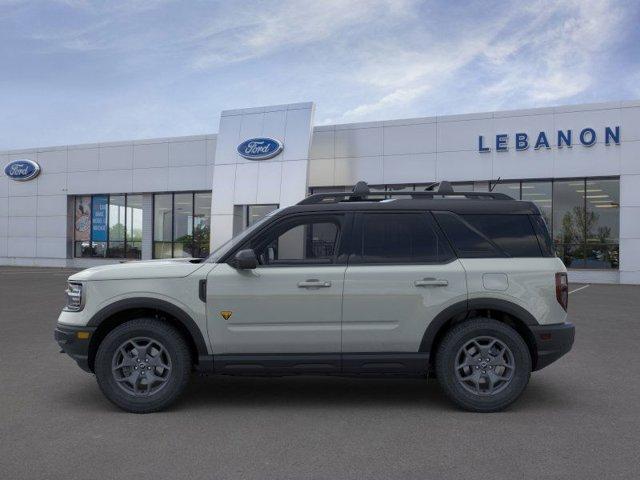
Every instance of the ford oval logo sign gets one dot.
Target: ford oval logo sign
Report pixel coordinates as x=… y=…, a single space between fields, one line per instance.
x=22 y=170
x=260 y=148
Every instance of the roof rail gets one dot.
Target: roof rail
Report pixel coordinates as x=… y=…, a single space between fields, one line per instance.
x=361 y=192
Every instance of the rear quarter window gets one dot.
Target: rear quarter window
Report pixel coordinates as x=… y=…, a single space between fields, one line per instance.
x=513 y=234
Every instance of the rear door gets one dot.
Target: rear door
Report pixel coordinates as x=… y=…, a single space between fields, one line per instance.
x=401 y=274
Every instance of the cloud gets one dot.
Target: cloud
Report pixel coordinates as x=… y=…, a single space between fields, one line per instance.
x=542 y=53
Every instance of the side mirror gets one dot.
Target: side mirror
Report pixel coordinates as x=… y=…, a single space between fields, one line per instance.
x=245 y=260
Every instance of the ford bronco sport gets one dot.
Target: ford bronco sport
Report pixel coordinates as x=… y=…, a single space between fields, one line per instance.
x=461 y=286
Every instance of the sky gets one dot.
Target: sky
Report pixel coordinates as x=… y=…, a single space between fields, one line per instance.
x=78 y=71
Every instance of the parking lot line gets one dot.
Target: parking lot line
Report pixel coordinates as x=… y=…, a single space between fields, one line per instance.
x=578 y=289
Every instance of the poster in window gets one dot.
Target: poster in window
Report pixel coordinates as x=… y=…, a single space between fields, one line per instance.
x=83 y=219
x=99 y=218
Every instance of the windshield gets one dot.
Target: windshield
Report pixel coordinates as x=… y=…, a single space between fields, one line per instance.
x=235 y=241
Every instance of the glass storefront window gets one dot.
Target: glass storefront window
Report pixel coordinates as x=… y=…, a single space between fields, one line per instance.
x=602 y=226
x=116 y=216
x=540 y=193
x=106 y=226
x=201 y=224
x=256 y=212
x=182 y=224
x=511 y=189
x=134 y=226
x=162 y=225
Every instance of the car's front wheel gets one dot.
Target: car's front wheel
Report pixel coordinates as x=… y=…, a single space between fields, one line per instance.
x=483 y=365
x=143 y=365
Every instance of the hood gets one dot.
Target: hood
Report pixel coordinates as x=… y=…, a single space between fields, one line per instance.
x=171 y=268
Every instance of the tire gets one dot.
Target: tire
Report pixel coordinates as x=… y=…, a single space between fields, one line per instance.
x=143 y=365
x=492 y=385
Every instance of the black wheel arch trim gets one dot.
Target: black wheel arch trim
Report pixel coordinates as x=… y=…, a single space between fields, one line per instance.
x=464 y=307
x=155 y=304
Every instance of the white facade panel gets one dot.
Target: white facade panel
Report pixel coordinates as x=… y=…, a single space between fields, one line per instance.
x=53 y=161
x=322 y=145
x=408 y=168
x=54 y=247
x=22 y=206
x=22 y=227
x=52 y=226
x=192 y=178
x=150 y=180
x=630 y=157
x=188 y=153
x=455 y=166
x=21 y=246
x=359 y=142
x=52 y=184
x=117 y=157
x=83 y=159
x=51 y=205
x=348 y=171
x=269 y=182
x=151 y=155
x=407 y=139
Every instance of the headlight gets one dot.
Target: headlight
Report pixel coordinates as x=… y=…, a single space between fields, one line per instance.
x=75 y=300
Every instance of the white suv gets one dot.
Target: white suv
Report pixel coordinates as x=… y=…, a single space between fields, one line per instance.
x=463 y=286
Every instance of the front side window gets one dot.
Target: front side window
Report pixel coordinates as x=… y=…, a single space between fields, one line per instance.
x=300 y=241
x=399 y=238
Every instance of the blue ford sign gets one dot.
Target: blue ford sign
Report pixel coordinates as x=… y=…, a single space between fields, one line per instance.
x=260 y=148
x=22 y=170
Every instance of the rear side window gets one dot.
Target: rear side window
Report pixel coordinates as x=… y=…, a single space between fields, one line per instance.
x=468 y=241
x=400 y=238
x=514 y=234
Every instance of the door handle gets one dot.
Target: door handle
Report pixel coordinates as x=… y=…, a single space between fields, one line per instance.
x=313 y=283
x=431 y=282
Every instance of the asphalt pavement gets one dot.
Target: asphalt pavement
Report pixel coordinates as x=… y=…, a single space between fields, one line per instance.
x=579 y=418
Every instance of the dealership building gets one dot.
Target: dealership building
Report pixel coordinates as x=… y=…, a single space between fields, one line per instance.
x=84 y=205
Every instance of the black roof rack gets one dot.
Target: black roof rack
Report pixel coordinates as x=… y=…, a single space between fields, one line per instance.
x=361 y=193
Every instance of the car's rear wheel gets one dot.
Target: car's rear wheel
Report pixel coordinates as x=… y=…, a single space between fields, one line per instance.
x=143 y=365
x=483 y=365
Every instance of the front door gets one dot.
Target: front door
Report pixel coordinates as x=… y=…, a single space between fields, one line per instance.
x=291 y=303
x=400 y=276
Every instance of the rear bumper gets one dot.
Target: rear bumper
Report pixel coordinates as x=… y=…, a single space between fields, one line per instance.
x=77 y=348
x=552 y=342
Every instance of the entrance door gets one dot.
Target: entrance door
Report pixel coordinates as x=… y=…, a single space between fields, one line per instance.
x=289 y=304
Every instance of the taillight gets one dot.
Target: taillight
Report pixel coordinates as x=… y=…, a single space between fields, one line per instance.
x=562 y=290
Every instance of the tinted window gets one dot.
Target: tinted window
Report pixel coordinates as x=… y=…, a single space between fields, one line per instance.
x=301 y=241
x=468 y=242
x=542 y=231
x=514 y=234
x=400 y=238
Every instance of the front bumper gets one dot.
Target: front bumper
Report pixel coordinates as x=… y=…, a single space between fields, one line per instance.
x=75 y=342
x=552 y=342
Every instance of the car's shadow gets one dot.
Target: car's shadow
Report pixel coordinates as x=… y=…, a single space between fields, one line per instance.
x=222 y=392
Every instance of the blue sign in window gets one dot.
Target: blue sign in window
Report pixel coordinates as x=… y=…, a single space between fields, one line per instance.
x=99 y=218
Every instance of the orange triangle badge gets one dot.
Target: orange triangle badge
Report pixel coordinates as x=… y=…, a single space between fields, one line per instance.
x=226 y=314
